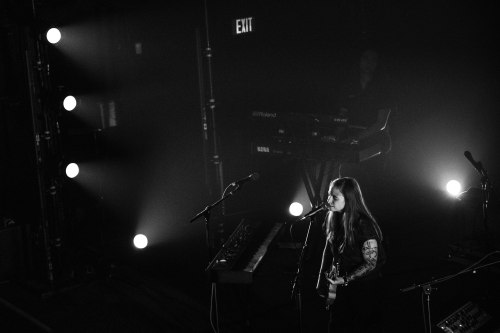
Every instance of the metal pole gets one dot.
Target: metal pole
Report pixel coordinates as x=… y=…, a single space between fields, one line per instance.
x=215 y=157
x=40 y=163
x=203 y=110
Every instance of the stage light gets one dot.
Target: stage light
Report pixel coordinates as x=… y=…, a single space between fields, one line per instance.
x=72 y=170
x=296 y=209
x=454 y=188
x=53 y=35
x=140 y=241
x=69 y=103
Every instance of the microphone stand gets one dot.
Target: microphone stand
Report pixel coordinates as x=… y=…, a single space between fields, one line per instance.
x=485 y=189
x=206 y=212
x=206 y=215
x=297 y=281
x=427 y=288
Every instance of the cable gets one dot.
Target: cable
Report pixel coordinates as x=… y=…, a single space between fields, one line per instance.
x=213 y=295
x=429 y=312
x=216 y=308
x=469 y=268
x=424 y=315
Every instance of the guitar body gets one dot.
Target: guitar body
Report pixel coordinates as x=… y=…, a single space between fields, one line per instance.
x=330 y=267
x=332 y=288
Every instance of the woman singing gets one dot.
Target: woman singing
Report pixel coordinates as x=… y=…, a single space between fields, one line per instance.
x=353 y=254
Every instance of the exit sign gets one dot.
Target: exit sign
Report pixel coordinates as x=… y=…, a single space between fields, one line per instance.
x=243 y=25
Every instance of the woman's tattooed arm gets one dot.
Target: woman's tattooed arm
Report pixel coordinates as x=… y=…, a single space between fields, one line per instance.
x=370 y=254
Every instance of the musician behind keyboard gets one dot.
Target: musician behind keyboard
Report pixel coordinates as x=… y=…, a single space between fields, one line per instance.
x=364 y=100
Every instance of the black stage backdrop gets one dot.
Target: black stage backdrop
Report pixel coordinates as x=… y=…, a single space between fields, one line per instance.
x=147 y=173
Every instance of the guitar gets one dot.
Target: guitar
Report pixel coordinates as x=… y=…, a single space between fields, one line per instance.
x=332 y=288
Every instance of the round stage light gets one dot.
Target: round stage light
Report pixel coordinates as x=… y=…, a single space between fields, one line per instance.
x=140 y=241
x=72 y=170
x=296 y=209
x=69 y=103
x=454 y=188
x=53 y=35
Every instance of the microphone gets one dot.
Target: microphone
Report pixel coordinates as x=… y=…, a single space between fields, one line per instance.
x=316 y=210
x=477 y=165
x=249 y=178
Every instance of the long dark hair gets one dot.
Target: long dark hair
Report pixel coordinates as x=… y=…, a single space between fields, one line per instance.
x=354 y=210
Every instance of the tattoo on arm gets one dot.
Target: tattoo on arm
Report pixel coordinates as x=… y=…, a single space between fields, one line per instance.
x=370 y=254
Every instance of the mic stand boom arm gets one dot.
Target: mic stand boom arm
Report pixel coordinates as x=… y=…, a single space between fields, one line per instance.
x=206 y=215
x=427 y=287
x=206 y=212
